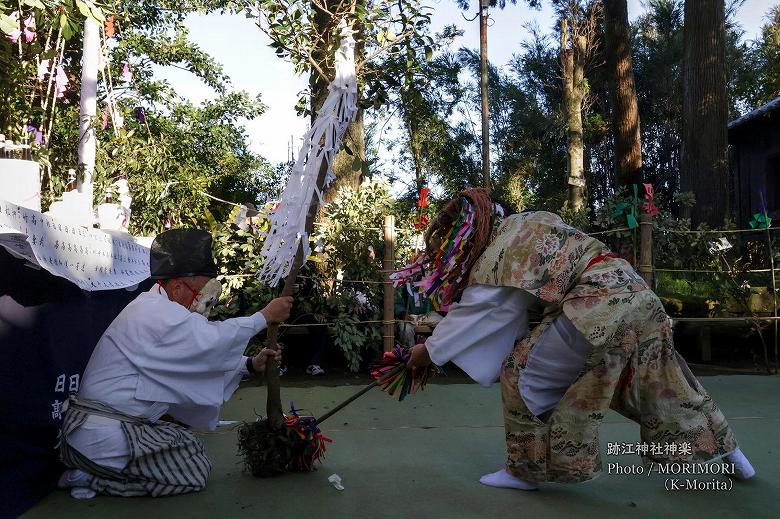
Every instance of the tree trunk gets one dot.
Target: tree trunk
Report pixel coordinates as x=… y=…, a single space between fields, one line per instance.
x=704 y=164
x=346 y=175
x=413 y=129
x=625 y=110
x=573 y=68
x=411 y=105
x=355 y=135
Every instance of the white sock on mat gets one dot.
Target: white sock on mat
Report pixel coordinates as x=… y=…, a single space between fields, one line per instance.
x=74 y=478
x=503 y=479
x=78 y=483
x=82 y=493
x=742 y=467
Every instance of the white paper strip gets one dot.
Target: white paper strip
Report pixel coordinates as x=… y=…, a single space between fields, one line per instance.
x=90 y=258
x=288 y=221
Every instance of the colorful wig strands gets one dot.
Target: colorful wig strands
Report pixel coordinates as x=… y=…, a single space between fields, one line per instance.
x=402 y=382
x=439 y=282
x=456 y=240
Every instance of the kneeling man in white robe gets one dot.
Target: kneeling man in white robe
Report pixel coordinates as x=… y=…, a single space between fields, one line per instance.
x=161 y=360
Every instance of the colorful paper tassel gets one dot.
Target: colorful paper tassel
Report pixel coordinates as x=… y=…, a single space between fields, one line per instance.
x=308 y=431
x=405 y=382
x=649 y=206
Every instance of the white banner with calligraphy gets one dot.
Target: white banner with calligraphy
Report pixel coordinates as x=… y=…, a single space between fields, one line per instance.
x=90 y=258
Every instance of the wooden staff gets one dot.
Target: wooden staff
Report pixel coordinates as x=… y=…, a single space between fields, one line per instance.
x=360 y=393
x=273 y=405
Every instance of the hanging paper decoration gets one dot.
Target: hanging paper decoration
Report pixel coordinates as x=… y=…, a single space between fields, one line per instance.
x=421 y=222
x=321 y=142
x=438 y=283
x=422 y=219
x=720 y=245
x=104 y=123
x=43 y=68
x=404 y=382
x=108 y=27
x=760 y=221
x=38 y=135
x=127 y=76
x=119 y=120
x=628 y=209
x=29 y=28
x=60 y=81
x=17 y=32
x=649 y=206
x=102 y=63
x=423 y=203
x=28 y=31
x=140 y=114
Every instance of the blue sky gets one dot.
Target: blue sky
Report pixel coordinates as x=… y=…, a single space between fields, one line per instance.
x=243 y=50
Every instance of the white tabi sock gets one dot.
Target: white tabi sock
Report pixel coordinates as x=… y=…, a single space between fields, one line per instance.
x=78 y=483
x=82 y=493
x=503 y=479
x=74 y=478
x=742 y=467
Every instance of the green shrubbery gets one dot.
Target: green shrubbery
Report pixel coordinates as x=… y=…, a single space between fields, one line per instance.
x=348 y=244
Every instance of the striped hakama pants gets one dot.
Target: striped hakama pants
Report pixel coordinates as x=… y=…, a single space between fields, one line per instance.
x=165 y=459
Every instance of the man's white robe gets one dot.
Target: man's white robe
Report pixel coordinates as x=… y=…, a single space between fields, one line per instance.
x=157 y=357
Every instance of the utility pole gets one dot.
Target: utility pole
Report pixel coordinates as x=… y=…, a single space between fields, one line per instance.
x=483 y=72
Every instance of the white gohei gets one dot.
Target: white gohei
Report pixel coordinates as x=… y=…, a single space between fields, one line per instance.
x=720 y=245
x=321 y=142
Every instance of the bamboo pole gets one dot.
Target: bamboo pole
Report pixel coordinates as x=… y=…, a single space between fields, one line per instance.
x=646 y=248
x=774 y=280
x=389 y=292
x=38 y=68
x=59 y=50
x=51 y=92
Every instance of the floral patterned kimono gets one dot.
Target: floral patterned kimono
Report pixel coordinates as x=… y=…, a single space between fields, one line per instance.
x=632 y=369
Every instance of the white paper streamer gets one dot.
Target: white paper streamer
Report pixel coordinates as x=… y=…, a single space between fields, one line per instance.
x=288 y=221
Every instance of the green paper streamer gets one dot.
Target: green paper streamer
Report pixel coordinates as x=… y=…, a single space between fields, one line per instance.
x=760 y=221
x=631 y=221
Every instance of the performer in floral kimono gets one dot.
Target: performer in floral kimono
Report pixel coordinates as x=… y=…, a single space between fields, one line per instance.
x=605 y=342
x=160 y=361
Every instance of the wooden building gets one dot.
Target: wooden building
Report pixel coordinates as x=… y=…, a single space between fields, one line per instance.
x=755 y=162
